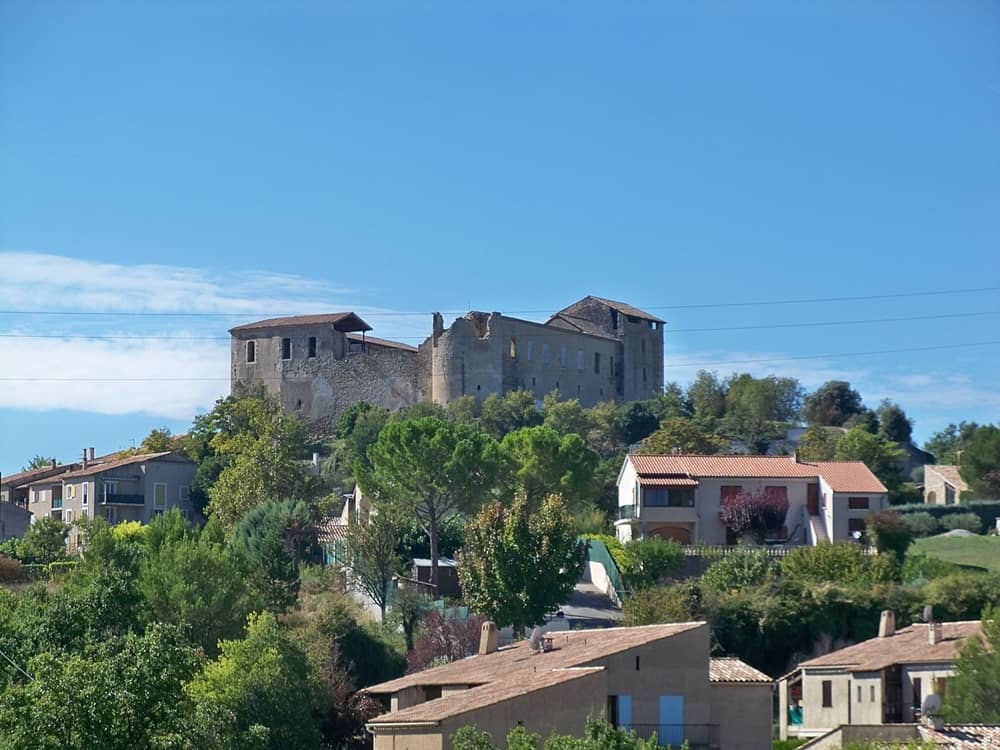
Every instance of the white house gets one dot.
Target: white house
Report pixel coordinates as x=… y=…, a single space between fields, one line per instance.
x=680 y=497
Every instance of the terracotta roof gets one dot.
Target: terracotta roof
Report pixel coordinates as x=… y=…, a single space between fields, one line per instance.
x=731 y=669
x=962 y=736
x=342 y=321
x=374 y=341
x=481 y=696
x=905 y=646
x=331 y=531
x=627 y=309
x=572 y=648
x=101 y=467
x=842 y=476
x=950 y=474
x=650 y=481
x=26 y=477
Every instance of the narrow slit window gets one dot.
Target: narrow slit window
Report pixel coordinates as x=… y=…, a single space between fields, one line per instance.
x=597 y=363
x=251 y=352
x=286 y=348
x=312 y=346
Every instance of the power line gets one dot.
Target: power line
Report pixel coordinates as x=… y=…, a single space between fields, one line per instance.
x=832 y=356
x=396 y=313
x=15 y=665
x=540 y=333
x=717 y=363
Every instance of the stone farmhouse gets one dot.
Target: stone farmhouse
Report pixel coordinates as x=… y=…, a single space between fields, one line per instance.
x=943 y=485
x=651 y=679
x=318 y=365
x=680 y=497
x=883 y=680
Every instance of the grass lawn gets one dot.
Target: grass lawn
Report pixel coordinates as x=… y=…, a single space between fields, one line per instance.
x=981 y=551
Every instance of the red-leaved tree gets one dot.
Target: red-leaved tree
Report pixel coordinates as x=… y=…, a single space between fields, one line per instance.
x=444 y=639
x=754 y=513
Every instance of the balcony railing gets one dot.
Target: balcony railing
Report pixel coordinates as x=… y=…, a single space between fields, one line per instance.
x=626 y=512
x=697 y=736
x=123 y=499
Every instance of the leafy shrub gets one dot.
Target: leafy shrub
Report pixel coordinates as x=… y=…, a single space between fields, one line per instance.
x=962 y=596
x=679 y=602
x=967 y=521
x=650 y=560
x=742 y=568
x=987 y=510
x=10 y=570
x=888 y=533
x=921 y=523
x=833 y=563
x=615 y=548
x=920 y=567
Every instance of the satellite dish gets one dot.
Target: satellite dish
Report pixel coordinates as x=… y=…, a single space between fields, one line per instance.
x=928 y=613
x=932 y=705
x=535 y=641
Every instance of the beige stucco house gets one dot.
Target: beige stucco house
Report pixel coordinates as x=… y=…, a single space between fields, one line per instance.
x=879 y=681
x=652 y=679
x=943 y=485
x=680 y=497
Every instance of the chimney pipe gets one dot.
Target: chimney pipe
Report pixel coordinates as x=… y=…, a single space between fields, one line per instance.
x=488 y=638
x=91 y=454
x=887 y=624
x=84 y=458
x=53 y=463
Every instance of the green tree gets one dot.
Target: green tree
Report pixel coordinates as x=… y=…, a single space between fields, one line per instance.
x=511 y=411
x=360 y=431
x=832 y=404
x=833 y=563
x=159 y=440
x=263 y=448
x=605 y=434
x=818 y=444
x=430 y=469
x=682 y=436
x=866 y=419
x=882 y=456
x=980 y=464
x=374 y=562
x=707 y=396
x=516 y=565
x=671 y=404
x=893 y=424
x=889 y=534
x=263 y=682
x=539 y=462
x=650 y=560
x=678 y=602
x=946 y=444
x=564 y=417
x=270 y=542
x=973 y=695
x=38 y=461
x=637 y=421
x=463 y=410
x=44 y=541
x=757 y=408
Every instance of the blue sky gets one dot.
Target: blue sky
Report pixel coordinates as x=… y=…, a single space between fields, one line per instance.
x=248 y=159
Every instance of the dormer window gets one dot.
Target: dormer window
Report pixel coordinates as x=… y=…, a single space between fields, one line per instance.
x=251 y=352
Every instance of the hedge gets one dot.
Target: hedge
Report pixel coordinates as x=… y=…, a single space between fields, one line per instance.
x=987 y=510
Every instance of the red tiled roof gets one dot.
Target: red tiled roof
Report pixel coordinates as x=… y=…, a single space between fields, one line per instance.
x=22 y=478
x=101 y=467
x=650 y=481
x=962 y=736
x=342 y=321
x=842 y=476
x=905 y=646
x=731 y=669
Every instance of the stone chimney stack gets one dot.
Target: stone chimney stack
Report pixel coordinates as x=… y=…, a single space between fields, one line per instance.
x=488 y=638
x=933 y=633
x=53 y=463
x=84 y=462
x=887 y=624
x=91 y=454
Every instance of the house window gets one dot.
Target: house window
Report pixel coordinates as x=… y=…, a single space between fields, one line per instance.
x=564 y=357
x=871 y=694
x=597 y=363
x=776 y=493
x=579 y=359
x=70 y=491
x=184 y=493
x=251 y=352
x=941 y=686
x=663 y=497
x=286 y=348
x=827 y=694
x=682 y=497
x=312 y=346
x=729 y=491
x=513 y=348
x=917 y=703
x=86 y=491
x=432 y=692
x=859 y=694
x=857 y=503
x=159 y=496
x=530 y=351
x=545 y=352
x=856 y=524
x=110 y=489
x=69 y=516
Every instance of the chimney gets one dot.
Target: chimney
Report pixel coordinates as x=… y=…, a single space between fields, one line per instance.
x=887 y=624
x=934 y=633
x=91 y=454
x=795 y=456
x=53 y=463
x=488 y=638
x=84 y=458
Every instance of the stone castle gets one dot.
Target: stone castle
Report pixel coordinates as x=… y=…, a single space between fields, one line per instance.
x=318 y=365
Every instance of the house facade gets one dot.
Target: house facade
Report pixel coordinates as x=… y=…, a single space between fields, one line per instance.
x=680 y=497
x=883 y=680
x=652 y=679
x=318 y=365
x=943 y=485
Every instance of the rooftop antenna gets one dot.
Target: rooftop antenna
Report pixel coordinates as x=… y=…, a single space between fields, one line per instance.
x=535 y=641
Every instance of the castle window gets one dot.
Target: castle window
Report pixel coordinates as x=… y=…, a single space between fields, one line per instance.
x=312 y=346
x=643 y=346
x=532 y=382
x=643 y=374
x=286 y=348
x=597 y=363
x=564 y=357
x=545 y=352
x=614 y=319
x=652 y=325
x=579 y=388
x=513 y=348
x=579 y=359
x=251 y=352
x=531 y=350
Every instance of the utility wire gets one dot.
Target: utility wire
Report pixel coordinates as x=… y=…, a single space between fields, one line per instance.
x=15 y=665
x=394 y=313
x=668 y=364
x=554 y=331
